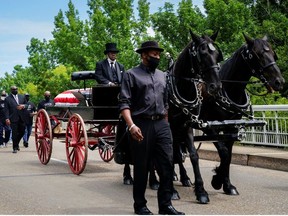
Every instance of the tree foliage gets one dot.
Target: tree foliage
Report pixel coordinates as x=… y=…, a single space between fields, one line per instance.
x=77 y=44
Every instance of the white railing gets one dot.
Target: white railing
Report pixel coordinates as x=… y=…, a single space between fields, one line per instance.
x=275 y=133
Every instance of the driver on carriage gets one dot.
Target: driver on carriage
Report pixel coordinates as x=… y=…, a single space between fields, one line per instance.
x=109 y=71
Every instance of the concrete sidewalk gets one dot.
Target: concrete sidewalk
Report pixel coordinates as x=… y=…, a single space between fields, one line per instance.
x=263 y=157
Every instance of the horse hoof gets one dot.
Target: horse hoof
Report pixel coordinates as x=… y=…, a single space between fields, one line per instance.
x=154 y=186
x=186 y=183
x=203 y=199
x=128 y=181
x=175 y=196
x=231 y=191
x=216 y=183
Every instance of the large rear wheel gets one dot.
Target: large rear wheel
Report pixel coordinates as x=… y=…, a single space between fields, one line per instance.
x=76 y=144
x=43 y=136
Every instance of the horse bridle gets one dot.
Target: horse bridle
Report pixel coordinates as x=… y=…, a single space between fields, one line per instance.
x=194 y=53
x=255 y=66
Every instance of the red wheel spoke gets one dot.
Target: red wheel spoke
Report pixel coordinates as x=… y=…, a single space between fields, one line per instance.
x=76 y=144
x=43 y=136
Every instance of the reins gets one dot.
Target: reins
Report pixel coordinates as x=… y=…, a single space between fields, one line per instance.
x=248 y=82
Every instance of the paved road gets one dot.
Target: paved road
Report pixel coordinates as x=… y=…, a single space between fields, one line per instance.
x=28 y=187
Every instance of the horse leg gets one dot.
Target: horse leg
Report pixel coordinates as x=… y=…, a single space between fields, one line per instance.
x=200 y=192
x=222 y=177
x=127 y=178
x=184 y=179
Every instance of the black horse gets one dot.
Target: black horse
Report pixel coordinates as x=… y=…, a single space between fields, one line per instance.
x=256 y=58
x=194 y=75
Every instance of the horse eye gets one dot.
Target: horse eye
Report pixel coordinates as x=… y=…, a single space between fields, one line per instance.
x=202 y=49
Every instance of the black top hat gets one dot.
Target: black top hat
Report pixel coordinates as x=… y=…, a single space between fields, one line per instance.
x=111 y=47
x=149 y=45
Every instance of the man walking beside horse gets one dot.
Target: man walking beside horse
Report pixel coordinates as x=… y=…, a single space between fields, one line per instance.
x=143 y=104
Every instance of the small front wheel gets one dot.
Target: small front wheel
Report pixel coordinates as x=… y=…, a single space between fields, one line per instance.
x=43 y=136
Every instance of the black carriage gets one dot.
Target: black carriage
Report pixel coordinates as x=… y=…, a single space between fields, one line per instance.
x=89 y=125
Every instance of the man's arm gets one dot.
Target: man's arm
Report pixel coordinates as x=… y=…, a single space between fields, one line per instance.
x=99 y=71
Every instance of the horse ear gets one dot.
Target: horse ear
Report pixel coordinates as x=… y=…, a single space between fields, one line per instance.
x=214 y=36
x=249 y=40
x=195 y=37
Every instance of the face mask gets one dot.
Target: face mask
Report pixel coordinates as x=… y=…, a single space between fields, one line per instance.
x=153 y=62
x=47 y=98
x=14 y=92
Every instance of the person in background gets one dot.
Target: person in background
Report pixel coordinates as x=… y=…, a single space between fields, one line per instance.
x=47 y=101
x=143 y=103
x=3 y=126
x=29 y=113
x=109 y=71
x=15 y=105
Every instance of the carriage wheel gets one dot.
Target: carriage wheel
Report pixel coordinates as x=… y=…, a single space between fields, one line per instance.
x=105 y=151
x=76 y=144
x=105 y=147
x=43 y=136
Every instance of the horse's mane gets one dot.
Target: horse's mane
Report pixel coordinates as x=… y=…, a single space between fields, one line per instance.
x=182 y=57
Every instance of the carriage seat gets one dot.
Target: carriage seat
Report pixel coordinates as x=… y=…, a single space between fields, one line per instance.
x=83 y=75
x=105 y=101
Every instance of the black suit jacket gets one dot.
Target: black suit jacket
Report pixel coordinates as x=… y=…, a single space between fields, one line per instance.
x=103 y=73
x=11 y=111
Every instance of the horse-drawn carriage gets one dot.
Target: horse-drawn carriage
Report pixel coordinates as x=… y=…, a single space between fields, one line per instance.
x=90 y=120
x=197 y=101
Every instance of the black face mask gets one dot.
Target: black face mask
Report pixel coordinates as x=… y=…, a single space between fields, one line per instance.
x=153 y=62
x=47 y=98
x=14 y=92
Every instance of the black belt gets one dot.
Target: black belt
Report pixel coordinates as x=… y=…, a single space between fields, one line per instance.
x=151 y=117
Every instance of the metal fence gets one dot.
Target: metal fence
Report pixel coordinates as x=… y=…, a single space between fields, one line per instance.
x=275 y=133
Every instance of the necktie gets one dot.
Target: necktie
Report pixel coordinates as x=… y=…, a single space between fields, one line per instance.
x=16 y=98
x=114 y=73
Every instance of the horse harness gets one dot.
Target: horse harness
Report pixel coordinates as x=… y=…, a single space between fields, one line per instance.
x=186 y=106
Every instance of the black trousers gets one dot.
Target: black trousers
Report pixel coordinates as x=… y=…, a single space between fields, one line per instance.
x=156 y=147
x=18 y=130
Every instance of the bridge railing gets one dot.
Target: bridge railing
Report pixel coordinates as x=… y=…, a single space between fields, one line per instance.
x=275 y=133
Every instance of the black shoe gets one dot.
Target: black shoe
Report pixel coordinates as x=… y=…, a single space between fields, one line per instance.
x=14 y=151
x=143 y=211
x=25 y=144
x=170 y=210
x=18 y=149
x=128 y=180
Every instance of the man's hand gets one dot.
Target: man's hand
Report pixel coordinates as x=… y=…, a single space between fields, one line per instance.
x=21 y=106
x=111 y=84
x=136 y=133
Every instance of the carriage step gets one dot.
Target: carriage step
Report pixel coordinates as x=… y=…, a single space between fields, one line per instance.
x=232 y=123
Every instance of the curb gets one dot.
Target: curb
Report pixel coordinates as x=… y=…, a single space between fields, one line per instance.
x=266 y=162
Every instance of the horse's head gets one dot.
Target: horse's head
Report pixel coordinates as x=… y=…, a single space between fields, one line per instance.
x=207 y=56
x=261 y=59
